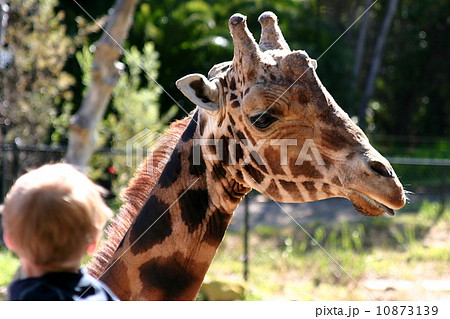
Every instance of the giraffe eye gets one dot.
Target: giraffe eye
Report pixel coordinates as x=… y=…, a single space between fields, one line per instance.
x=262 y=121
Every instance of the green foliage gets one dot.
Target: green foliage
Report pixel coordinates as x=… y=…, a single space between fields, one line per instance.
x=85 y=59
x=266 y=231
x=358 y=237
x=419 y=252
x=400 y=232
x=8 y=266
x=429 y=210
x=319 y=234
x=416 y=104
x=283 y=266
x=192 y=36
x=35 y=90
x=134 y=108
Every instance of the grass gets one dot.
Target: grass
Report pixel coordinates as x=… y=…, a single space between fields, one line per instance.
x=8 y=266
x=315 y=276
x=286 y=264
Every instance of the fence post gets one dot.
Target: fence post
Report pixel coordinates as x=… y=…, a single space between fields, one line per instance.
x=246 y=233
x=15 y=160
x=443 y=189
x=4 y=172
x=4 y=160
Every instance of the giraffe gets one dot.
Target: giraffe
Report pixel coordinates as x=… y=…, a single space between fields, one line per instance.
x=254 y=116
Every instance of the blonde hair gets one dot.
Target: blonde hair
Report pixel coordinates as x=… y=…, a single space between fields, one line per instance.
x=52 y=214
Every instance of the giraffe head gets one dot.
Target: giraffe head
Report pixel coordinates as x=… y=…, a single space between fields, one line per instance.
x=279 y=131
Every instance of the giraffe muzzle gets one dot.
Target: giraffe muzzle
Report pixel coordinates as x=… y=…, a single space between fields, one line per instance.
x=368 y=206
x=375 y=188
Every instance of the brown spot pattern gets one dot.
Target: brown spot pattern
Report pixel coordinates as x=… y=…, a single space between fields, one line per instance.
x=272 y=190
x=310 y=187
x=336 y=181
x=326 y=188
x=335 y=140
x=306 y=169
x=289 y=186
x=216 y=227
x=255 y=173
x=170 y=276
x=152 y=226
x=233 y=84
x=235 y=104
x=272 y=156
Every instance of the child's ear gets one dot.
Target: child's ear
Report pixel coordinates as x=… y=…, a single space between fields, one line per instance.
x=7 y=241
x=91 y=248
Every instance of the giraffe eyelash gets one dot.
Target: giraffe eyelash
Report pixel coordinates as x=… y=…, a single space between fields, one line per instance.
x=263 y=120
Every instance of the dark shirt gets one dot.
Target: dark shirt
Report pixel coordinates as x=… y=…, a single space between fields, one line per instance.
x=61 y=286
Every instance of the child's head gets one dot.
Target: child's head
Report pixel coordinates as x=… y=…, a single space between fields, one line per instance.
x=53 y=215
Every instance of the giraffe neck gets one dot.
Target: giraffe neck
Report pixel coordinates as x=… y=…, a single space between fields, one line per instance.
x=170 y=246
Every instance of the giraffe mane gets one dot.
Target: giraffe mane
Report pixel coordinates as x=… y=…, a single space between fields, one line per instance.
x=135 y=196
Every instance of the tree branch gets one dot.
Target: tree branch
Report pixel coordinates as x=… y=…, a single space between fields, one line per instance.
x=376 y=62
x=106 y=70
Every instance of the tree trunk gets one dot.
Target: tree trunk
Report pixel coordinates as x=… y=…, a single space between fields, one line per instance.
x=376 y=61
x=105 y=74
x=359 y=52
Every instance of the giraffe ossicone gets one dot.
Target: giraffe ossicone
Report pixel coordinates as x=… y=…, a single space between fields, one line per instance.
x=264 y=121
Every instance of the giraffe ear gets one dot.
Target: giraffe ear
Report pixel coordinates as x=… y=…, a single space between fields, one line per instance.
x=200 y=91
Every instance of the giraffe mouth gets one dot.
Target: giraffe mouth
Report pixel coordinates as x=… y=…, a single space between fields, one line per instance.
x=368 y=206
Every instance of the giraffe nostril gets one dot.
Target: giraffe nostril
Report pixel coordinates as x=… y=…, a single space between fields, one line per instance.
x=381 y=169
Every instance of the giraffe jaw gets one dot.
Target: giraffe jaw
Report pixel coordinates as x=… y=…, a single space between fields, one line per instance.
x=368 y=206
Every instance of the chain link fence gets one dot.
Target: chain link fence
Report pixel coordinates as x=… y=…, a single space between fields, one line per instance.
x=423 y=178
